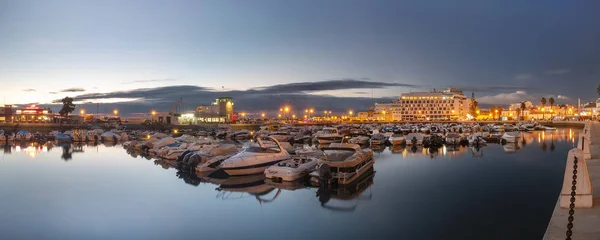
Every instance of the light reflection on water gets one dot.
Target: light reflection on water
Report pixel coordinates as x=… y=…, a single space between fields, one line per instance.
x=79 y=191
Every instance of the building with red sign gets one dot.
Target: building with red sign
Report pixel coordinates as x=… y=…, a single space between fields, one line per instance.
x=30 y=114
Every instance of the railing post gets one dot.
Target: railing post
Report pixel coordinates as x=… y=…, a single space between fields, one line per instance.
x=576 y=168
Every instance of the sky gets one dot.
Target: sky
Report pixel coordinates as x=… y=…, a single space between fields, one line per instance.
x=141 y=55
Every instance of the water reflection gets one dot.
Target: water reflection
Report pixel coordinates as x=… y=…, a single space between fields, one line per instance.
x=412 y=189
x=341 y=195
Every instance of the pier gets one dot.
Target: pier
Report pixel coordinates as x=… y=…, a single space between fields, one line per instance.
x=586 y=214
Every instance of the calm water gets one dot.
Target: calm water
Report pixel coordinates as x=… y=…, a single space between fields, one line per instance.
x=102 y=192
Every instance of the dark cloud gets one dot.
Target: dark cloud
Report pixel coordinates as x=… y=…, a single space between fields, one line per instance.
x=151 y=80
x=339 y=84
x=256 y=99
x=29 y=90
x=73 y=90
x=150 y=95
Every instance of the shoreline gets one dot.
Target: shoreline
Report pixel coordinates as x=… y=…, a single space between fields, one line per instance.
x=48 y=127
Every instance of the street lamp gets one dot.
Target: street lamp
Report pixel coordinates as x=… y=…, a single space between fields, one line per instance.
x=262 y=115
x=116 y=112
x=81 y=112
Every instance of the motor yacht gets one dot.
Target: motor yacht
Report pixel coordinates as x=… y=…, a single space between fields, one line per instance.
x=329 y=135
x=292 y=169
x=511 y=137
x=397 y=139
x=255 y=159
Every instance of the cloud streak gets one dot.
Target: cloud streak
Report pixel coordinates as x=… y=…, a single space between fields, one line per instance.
x=28 y=90
x=338 y=84
x=72 y=90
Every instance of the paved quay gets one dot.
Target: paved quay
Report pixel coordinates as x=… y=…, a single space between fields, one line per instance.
x=586 y=224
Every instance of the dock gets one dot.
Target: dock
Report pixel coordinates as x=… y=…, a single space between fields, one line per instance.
x=586 y=220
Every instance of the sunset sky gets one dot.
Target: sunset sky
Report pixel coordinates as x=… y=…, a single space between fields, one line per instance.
x=138 y=55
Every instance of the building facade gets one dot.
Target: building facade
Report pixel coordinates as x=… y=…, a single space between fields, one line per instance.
x=30 y=114
x=449 y=104
x=220 y=111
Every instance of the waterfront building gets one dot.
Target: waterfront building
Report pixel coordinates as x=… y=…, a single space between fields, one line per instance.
x=220 y=111
x=30 y=114
x=6 y=113
x=448 y=104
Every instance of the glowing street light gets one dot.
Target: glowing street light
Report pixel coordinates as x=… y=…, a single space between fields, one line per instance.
x=311 y=110
x=262 y=115
x=116 y=112
x=287 y=109
x=279 y=115
x=81 y=112
x=294 y=116
x=350 y=112
x=153 y=113
x=243 y=114
x=305 y=116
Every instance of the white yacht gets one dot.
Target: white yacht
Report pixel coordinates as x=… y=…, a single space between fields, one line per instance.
x=255 y=159
x=453 y=138
x=329 y=135
x=344 y=163
x=292 y=169
x=397 y=139
x=511 y=137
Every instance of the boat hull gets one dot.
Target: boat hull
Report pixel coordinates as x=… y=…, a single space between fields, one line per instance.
x=251 y=169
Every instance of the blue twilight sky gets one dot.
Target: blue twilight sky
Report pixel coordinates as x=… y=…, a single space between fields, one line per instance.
x=505 y=51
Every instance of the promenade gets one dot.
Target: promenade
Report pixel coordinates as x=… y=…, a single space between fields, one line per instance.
x=586 y=224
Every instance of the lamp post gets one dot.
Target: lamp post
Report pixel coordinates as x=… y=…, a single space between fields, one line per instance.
x=286 y=110
x=116 y=112
x=81 y=112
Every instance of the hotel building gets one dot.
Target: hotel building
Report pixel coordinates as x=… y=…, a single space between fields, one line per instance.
x=449 y=104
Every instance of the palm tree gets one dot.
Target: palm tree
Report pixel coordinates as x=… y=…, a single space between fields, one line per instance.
x=543 y=101
x=598 y=89
x=523 y=107
x=519 y=113
x=551 y=101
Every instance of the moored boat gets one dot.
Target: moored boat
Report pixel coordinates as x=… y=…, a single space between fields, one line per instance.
x=255 y=159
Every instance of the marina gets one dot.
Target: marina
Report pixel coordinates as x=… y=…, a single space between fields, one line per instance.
x=405 y=190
